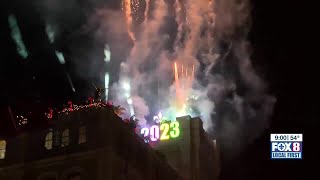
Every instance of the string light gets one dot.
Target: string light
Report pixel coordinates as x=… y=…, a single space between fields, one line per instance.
x=118 y=110
x=71 y=107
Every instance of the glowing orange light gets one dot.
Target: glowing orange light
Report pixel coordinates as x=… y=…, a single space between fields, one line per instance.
x=183 y=84
x=128 y=14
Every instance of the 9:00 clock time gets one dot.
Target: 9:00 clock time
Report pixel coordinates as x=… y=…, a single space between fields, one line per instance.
x=281 y=137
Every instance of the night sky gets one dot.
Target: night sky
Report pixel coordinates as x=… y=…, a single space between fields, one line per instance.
x=278 y=37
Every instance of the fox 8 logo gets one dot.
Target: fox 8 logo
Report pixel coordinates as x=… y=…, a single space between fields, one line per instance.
x=286 y=146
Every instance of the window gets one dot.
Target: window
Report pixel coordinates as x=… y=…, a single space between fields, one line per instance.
x=82 y=134
x=3 y=144
x=48 y=140
x=65 y=138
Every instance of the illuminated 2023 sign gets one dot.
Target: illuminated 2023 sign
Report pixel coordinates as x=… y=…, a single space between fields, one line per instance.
x=164 y=132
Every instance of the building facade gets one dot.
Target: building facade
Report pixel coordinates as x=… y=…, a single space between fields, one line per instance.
x=193 y=154
x=96 y=144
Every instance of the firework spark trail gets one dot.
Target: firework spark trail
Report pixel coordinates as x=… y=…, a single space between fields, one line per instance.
x=198 y=41
x=194 y=22
x=142 y=47
x=182 y=70
x=51 y=36
x=12 y=118
x=177 y=86
x=17 y=37
x=197 y=15
x=128 y=14
x=185 y=51
x=180 y=21
x=146 y=11
x=70 y=82
x=135 y=4
x=159 y=13
x=207 y=41
x=183 y=84
x=192 y=75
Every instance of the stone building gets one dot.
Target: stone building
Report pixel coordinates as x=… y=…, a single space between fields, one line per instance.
x=94 y=143
x=193 y=154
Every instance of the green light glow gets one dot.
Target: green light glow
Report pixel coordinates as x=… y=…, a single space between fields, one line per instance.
x=166 y=131
x=182 y=112
x=175 y=130
x=171 y=113
x=16 y=36
x=60 y=57
x=50 y=33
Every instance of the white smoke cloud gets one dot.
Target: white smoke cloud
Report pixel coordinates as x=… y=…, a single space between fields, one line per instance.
x=243 y=106
x=232 y=14
x=206 y=106
x=232 y=98
x=147 y=43
x=141 y=109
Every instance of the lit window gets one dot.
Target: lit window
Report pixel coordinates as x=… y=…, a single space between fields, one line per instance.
x=82 y=134
x=3 y=149
x=65 y=138
x=48 y=140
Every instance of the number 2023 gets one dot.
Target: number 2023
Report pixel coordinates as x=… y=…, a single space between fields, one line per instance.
x=167 y=130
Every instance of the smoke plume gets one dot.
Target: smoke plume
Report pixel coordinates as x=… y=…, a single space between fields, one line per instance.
x=210 y=35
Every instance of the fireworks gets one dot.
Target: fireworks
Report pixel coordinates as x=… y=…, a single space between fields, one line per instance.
x=135 y=4
x=146 y=11
x=183 y=84
x=128 y=14
x=17 y=37
x=22 y=120
x=131 y=7
x=107 y=53
x=50 y=33
x=51 y=36
x=60 y=57
x=186 y=46
x=106 y=85
x=126 y=91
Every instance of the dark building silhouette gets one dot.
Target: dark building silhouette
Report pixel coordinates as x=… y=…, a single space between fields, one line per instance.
x=193 y=154
x=94 y=143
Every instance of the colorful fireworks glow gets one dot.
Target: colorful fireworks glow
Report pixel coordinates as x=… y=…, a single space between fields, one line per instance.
x=128 y=14
x=183 y=85
x=189 y=25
